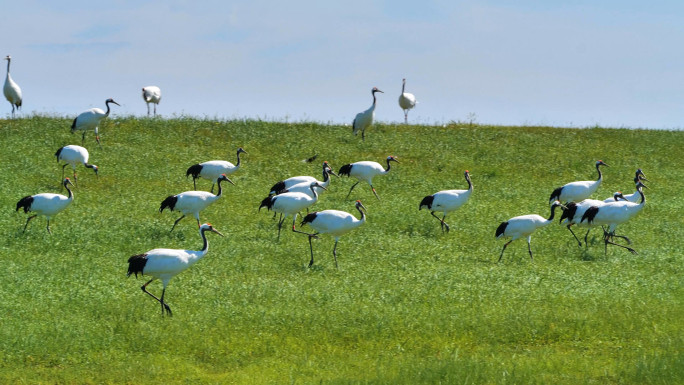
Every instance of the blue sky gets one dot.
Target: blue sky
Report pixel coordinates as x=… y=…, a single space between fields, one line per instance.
x=579 y=63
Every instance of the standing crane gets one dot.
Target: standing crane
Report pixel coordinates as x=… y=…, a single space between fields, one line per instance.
x=578 y=191
x=638 y=178
x=151 y=94
x=46 y=204
x=406 y=101
x=364 y=119
x=90 y=120
x=213 y=169
x=447 y=201
x=74 y=155
x=365 y=172
x=165 y=264
x=523 y=227
x=291 y=204
x=574 y=211
x=303 y=187
x=11 y=89
x=333 y=222
x=192 y=202
x=289 y=182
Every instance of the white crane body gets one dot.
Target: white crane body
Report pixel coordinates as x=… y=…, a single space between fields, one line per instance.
x=291 y=203
x=11 y=89
x=365 y=171
x=213 y=169
x=192 y=202
x=365 y=119
x=578 y=191
x=523 y=227
x=151 y=94
x=46 y=204
x=74 y=155
x=90 y=120
x=295 y=180
x=447 y=201
x=406 y=101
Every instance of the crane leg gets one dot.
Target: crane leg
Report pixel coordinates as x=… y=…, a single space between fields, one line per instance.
x=97 y=137
x=48 y=227
x=27 y=221
x=335 y=254
x=155 y=109
x=148 y=109
x=12 y=110
x=405 y=116
x=83 y=137
x=445 y=224
x=144 y=289
x=441 y=221
x=164 y=306
x=63 y=176
x=363 y=134
x=504 y=249
x=311 y=262
x=212 y=188
x=373 y=188
x=529 y=249
x=573 y=234
x=198 y=223
x=350 y=190
x=75 y=178
x=294 y=223
x=280 y=224
x=194 y=183
x=176 y=222
x=607 y=242
x=586 y=243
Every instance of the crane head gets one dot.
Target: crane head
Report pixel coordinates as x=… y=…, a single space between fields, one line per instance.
x=375 y=89
x=392 y=158
x=110 y=100
x=640 y=174
x=360 y=205
x=224 y=177
x=640 y=185
x=239 y=150
x=8 y=57
x=97 y=170
x=67 y=181
x=330 y=171
x=209 y=227
x=316 y=184
x=600 y=163
x=558 y=204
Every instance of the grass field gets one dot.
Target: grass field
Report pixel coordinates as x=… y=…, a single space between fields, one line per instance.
x=408 y=304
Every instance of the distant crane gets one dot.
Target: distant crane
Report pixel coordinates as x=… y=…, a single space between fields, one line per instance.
x=74 y=155
x=90 y=120
x=46 y=204
x=11 y=89
x=289 y=182
x=333 y=222
x=364 y=119
x=214 y=169
x=165 y=264
x=291 y=204
x=578 y=191
x=523 y=227
x=192 y=202
x=447 y=201
x=406 y=101
x=151 y=94
x=365 y=172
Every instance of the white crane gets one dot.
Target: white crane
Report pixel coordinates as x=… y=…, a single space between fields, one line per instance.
x=333 y=222
x=578 y=191
x=90 y=120
x=291 y=204
x=303 y=187
x=447 y=201
x=364 y=119
x=614 y=214
x=213 y=169
x=11 y=89
x=574 y=211
x=289 y=182
x=192 y=202
x=74 y=155
x=46 y=204
x=406 y=101
x=523 y=227
x=151 y=94
x=365 y=172
x=635 y=196
x=165 y=264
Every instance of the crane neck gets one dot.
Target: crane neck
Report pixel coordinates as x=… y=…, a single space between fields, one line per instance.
x=205 y=246
x=470 y=184
x=388 y=166
x=402 y=87
x=363 y=216
x=315 y=194
x=553 y=213
x=374 y=100
x=238 y=161
x=643 y=197
x=8 y=65
x=107 y=104
x=600 y=176
x=71 y=194
x=220 y=189
x=326 y=178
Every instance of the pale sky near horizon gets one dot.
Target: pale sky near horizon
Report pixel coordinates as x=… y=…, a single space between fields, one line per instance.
x=611 y=63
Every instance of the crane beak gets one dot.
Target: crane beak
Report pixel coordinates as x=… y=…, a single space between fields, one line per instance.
x=330 y=171
x=322 y=187
x=213 y=230
x=116 y=103
x=362 y=206
x=230 y=181
x=642 y=177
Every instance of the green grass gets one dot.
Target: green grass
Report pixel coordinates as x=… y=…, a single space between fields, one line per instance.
x=408 y=305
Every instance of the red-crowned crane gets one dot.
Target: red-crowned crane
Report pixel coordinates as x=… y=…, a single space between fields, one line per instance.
x=291 y=204
x=365 y=172
x=523 y=227
x=289 y=182
x=165 y=264
x=634 y=198
x=578 y=191
x=447 y=201
x=46 y=204
x=90 y=120
x=574 y=211
x=74 y=155
x=613 y=215
x=406 y=101
x=151 y=94
x=333 y=222
x=213 y=169
x=303 y=187
x=11 y=89
x=364 y=119
x=192 y=202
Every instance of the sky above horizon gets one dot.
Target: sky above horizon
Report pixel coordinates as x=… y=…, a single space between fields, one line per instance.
x=584 y=63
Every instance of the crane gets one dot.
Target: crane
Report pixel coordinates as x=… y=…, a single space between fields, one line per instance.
x=11 y=89
x=447 y=201
x=291 y=204
x=406 y=101
x=578 y=191
x=74 y=155
x=192 y=202
x=46 y=204
x=365 y=171
x=151 y=94
x=213 y=169
x=90 y=120
x=364 y=119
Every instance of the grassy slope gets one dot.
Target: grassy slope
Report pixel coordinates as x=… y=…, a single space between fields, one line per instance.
x=407 y=305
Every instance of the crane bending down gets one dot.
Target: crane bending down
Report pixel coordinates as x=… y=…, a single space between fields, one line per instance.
x=447 y=201
x=291 y=204
x=165 y=264
x=406 y=101
x=333 y=222
x=364 y=119
x=192 y=202
x=523 y=227
x=11 y=89
x=365 y=172
x=578 y=191
x=289 y=182
x=213 y=169
x=74 y=155
x=151 y=94
x=90 y=120
x=46 y=204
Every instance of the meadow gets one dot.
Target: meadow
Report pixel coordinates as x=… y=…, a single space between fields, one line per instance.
x=407 y=305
